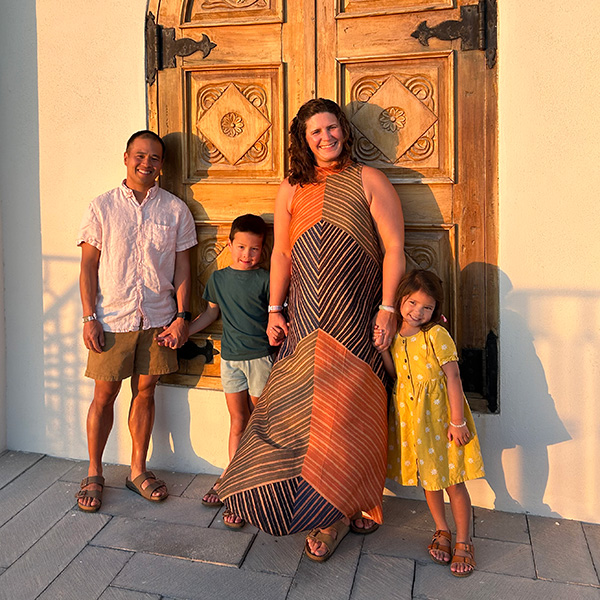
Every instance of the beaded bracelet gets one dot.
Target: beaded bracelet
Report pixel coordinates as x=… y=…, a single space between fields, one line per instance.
x=459 y=426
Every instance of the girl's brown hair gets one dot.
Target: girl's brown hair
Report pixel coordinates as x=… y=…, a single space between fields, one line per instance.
x=302 y=160
x=420 y=280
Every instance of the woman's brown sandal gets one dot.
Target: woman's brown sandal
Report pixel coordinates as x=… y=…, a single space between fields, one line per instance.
x=467 y=560
x=232 y=524
x=435 y=545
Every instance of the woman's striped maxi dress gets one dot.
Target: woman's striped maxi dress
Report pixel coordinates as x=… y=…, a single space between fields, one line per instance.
x=315 y=447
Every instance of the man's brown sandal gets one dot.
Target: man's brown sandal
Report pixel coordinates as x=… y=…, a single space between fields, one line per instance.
x=94 y=494
x=467 y=560
x=136 y=486
x=435 y=545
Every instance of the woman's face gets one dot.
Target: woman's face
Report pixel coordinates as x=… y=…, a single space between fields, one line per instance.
x=325 y=138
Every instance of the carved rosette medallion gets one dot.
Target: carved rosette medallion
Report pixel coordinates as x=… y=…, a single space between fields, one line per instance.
x=405 y=132
x=392 y=119
x=232 y=123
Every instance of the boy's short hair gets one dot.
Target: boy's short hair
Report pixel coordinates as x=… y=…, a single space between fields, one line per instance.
x=146 y=134
x=249 y=224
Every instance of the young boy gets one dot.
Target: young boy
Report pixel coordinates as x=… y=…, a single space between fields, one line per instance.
x=240 y=293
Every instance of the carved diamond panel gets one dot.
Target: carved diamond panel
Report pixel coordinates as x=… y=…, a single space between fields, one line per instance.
x=232 y=124
x=234 y=118
x=233 y=12
x=393 y=119
x=402 y=112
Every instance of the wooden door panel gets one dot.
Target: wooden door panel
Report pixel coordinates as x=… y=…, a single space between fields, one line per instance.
x=234 y=118
x=402 y=110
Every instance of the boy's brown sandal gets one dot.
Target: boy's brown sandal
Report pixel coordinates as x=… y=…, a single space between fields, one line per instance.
x=468 y=560
x=212 y=492
x=435 y=545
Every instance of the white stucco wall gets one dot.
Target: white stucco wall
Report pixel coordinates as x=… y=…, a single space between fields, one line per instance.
x=20 y=216
x=540 y=451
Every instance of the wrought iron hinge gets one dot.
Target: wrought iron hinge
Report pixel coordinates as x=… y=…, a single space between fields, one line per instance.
x=162 y=48
x=477 y=29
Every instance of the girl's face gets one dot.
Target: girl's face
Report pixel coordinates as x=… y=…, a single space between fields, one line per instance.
x=416 y=310
x=325 y=138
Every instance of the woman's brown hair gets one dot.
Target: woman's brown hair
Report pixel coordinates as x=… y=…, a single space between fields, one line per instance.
x=420 y=280
x=302 y=160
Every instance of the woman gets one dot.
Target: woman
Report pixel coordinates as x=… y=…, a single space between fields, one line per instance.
x=314 y=452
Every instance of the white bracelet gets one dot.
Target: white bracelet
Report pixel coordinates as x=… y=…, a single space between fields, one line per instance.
x=459 y=426
x=387 y=308
x=274 y=308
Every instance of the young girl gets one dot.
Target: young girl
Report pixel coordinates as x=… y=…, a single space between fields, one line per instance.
x=432 y=434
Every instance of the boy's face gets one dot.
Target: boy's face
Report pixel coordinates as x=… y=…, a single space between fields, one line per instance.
x=246 y=250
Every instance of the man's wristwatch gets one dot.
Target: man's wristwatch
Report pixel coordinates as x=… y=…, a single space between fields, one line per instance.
x=186 y=315
x=91 y=317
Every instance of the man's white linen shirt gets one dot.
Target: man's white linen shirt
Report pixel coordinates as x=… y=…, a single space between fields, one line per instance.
x=137 y=244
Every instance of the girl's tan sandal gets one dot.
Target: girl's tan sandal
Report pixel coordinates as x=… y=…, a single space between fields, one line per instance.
x=467 y=560
x=435 y=545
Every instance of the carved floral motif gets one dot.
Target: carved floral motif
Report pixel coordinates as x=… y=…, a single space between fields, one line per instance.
x=392 y=119
x=232 y=124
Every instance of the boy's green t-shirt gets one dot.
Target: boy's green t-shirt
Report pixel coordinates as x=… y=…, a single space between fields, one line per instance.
x=243 y=298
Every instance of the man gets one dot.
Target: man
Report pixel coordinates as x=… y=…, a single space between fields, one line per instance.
x=135 y=284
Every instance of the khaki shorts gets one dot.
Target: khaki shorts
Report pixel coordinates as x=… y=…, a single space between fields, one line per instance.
x=124 y=354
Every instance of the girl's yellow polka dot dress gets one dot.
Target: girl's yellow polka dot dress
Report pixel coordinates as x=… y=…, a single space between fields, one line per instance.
x=420 y=413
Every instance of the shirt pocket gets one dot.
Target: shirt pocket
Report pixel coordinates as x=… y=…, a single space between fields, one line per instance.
x=162 y=237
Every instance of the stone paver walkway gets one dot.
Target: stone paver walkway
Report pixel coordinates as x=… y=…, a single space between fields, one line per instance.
x=180 y=550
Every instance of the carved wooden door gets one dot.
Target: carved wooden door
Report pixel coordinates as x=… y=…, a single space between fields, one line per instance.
x=423 y=110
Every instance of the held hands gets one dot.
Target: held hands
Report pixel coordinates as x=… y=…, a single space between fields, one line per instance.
x=93 y=336
x=460 y=435
x=277 y=328
x=174 y=335
x=384 y=328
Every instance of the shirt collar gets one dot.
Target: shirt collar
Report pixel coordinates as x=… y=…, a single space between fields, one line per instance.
x=129 y=192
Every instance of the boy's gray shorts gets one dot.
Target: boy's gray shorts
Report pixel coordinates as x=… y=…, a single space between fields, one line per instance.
x=240 y=375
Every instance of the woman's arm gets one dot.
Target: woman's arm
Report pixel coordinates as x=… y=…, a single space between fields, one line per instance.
x=460 y=435
x=386 y=211
x=281 y=263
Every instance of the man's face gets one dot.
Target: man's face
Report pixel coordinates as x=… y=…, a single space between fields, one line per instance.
x=144 y=160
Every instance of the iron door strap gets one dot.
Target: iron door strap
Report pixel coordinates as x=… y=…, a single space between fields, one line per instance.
x=162 y=48
x=477 y=29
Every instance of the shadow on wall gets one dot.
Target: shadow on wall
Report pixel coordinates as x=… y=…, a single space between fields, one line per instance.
x=529 y=419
